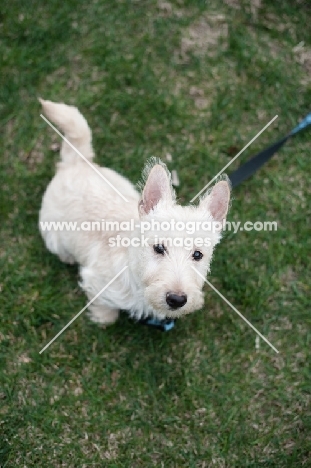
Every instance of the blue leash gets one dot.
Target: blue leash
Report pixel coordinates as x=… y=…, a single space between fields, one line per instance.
x=250 y=167
x=303 y=124
x=237 y=177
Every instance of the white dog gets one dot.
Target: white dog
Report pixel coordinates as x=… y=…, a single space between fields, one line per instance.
x=159 y=280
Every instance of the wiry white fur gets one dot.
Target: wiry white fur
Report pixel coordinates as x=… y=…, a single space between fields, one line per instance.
x=78 y=193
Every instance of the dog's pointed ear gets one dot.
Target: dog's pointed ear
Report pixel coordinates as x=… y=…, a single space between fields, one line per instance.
x=217 y=201
x=157 y=187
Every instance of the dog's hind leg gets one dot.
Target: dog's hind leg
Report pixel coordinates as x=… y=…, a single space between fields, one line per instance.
x=54 y=244
x=67 y=258
x=100 y=313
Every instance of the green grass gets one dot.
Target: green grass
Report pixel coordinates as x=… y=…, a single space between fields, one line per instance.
x=201 y=395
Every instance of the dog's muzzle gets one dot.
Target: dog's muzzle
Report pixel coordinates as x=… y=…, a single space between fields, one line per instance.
x=176 y=301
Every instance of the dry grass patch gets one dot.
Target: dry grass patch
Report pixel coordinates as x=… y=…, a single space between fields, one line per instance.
x=205 y=36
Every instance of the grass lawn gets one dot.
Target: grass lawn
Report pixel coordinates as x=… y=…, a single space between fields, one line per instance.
x=196 y=79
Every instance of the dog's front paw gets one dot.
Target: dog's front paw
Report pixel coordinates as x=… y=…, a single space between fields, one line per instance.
x=103 y=315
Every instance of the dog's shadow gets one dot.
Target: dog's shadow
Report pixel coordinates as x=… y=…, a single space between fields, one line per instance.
x=145 y=354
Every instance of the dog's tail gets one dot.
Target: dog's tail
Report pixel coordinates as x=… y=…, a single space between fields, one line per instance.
x=75 y=129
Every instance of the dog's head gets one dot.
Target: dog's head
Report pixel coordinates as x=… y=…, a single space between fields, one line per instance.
x=176 y=258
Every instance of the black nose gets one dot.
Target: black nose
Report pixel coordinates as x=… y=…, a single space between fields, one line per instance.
x=175 y=301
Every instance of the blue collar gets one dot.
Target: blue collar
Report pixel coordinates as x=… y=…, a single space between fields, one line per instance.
x=163 y=325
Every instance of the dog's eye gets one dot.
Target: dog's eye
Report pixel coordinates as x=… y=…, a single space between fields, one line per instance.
x=197 y=255
x=159 y=249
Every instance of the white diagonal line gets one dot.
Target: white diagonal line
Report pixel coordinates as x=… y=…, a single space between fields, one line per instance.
x=235 y=310
x=82 y=310
x=235 y=157
x=83 y=157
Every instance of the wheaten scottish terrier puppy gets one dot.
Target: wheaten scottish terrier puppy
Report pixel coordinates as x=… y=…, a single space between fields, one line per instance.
x=159 y=280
